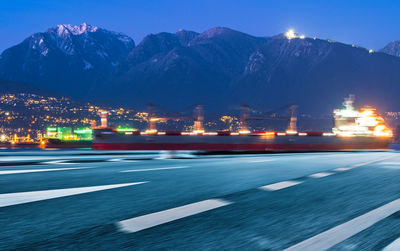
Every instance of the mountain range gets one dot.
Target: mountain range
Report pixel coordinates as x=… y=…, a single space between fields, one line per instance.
x=220 y=68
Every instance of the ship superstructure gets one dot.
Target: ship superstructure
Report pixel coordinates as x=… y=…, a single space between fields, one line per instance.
x=363 y=122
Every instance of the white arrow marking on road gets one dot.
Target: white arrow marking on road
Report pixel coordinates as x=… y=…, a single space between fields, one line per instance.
x=9 y=199
x=151 y=220
x=154 y=169
x=333 y=236
x=39 y=170
x=280 y=185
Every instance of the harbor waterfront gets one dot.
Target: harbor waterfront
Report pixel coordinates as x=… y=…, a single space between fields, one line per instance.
x=199 y=125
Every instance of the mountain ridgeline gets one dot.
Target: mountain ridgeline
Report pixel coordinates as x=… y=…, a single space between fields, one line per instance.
x=220 y=68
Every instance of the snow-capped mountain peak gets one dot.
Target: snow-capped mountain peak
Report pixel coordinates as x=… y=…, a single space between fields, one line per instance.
x=76 y=52
x=75 y=29
x=393 y=48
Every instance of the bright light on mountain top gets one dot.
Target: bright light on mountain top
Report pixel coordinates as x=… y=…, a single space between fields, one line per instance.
x=290 y=34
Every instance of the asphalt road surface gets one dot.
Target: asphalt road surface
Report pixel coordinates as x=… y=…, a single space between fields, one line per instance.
x=85 y=200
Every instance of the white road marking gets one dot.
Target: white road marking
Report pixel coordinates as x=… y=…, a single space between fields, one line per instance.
x=115 y=160
x=369 y=162
x=57 y=162
x=122 y=160
x=342 y=169
x=39 y=170
x=394 y=246
x=9 y=199
x=151 y=220
x=261 y=160
x=320 y=175
x=280 y=185
x=154 y=169
x=390 y=167
x=333 y=236
x=55 y=158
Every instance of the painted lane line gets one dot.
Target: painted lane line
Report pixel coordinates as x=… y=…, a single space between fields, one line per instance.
x=39 y=170
x=394 y=246
x=280 y=185
x=122 y=160
x=62 y=162
x=320 y=175
x=261 y=160
x=390 y=163
x=342 y=169
x=333 y=236
x=151 y=220
x=369 y=162
x=9 y=199
x=115 y=160
x=154 y=169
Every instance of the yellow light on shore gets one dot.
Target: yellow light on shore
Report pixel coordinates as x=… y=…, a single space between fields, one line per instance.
x=198 y=131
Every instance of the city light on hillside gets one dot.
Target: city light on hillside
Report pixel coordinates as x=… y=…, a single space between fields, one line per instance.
x=290 y=34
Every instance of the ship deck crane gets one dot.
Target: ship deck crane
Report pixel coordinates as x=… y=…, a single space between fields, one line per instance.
x=198 y=119
x=292 y=127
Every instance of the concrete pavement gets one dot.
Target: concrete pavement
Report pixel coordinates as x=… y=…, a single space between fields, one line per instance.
x=251 y=202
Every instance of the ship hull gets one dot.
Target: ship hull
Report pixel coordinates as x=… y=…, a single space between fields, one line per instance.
x=237 y=143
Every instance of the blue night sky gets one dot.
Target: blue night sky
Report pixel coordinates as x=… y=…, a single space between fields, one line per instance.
x=371 y=24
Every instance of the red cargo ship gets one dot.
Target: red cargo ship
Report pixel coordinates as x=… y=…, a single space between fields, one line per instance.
x=354 y=130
